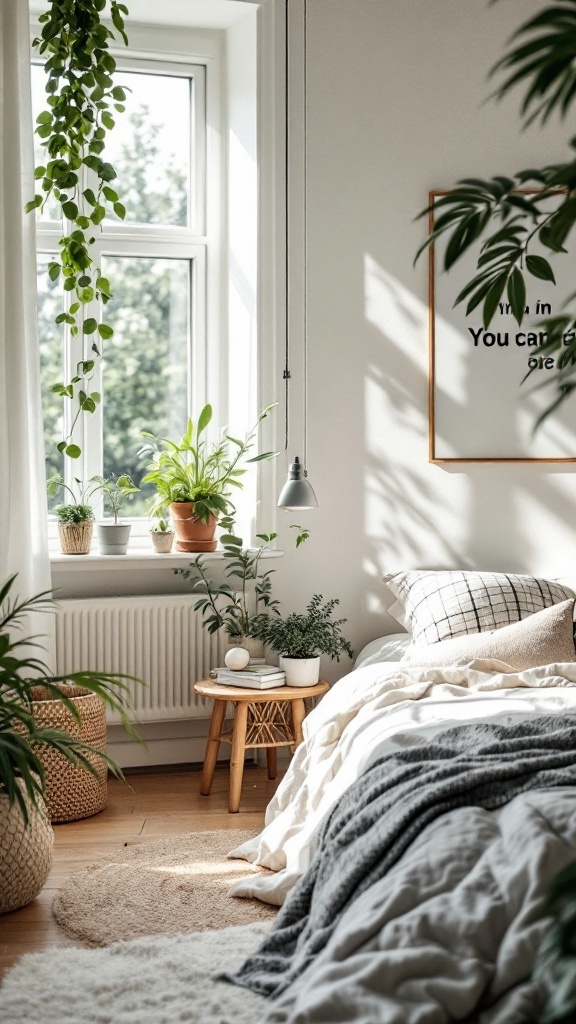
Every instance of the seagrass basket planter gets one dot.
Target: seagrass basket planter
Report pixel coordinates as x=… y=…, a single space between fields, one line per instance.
x=25 y=855
x=71 y=791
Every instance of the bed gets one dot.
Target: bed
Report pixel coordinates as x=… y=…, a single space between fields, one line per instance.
x=433 y=800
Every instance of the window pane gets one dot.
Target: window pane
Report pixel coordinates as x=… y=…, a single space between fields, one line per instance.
x=149 y=148
x=52 y=209
x=145 y=369
x=51 y=341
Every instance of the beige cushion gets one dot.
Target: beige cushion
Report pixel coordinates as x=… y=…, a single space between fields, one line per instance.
x=541 y=639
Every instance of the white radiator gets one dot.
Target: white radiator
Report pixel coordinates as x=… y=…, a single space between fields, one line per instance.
x=158 y=639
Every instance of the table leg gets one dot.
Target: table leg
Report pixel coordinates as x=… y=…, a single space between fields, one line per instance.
x=212 y=745
x=237 y=756
x=271 y=762
x=298 y=715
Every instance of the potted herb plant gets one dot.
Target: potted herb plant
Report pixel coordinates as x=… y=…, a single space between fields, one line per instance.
x=162 y=536
x=113 y=537
x=300 y=639
x=25 y=833
x=195 y=478
x=243 y=601
x=75 y=519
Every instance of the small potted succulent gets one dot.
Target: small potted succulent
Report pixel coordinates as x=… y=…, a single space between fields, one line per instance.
x=195 y=478
x=75 y=518
x=113 y=537
x=162 y=536
x=243 y=601
x=300 y=639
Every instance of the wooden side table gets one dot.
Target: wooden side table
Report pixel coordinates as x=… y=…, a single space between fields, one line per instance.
x=262 y=718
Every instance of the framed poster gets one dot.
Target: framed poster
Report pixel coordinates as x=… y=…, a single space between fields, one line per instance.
x=479 y=409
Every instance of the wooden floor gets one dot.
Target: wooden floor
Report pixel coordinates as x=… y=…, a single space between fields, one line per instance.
x=148 y=805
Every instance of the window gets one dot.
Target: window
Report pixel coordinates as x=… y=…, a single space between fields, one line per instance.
x=152 y=372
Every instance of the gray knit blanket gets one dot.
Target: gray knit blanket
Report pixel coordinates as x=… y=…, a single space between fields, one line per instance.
x=380 y=815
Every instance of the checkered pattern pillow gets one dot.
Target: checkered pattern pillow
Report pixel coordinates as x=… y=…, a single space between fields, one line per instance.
x=435 y=606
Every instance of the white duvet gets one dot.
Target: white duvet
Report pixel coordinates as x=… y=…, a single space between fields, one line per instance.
x=372 y=712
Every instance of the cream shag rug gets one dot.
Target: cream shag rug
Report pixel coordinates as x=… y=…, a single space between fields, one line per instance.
x=171 y=886
x=156 y=980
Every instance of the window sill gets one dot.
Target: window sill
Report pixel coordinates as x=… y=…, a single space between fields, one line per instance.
x=134 y=560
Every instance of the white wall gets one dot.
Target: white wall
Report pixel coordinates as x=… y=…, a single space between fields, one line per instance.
x=395 y=89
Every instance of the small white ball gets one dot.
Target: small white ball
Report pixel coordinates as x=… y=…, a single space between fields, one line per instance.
x=236 y=658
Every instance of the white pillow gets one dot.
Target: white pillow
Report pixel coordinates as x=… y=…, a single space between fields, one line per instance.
x=384 y=648
x=437 y=605
x=545 y=638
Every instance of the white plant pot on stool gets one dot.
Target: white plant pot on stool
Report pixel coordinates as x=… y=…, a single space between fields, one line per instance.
x=113 y=538
x=301 y=671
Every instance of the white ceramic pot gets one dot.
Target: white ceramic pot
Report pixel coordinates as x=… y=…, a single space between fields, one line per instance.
x=301 y=671
x=113 y=538
x=162 y=541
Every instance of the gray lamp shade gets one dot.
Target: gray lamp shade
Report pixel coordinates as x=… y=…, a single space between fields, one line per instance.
x=297 y=492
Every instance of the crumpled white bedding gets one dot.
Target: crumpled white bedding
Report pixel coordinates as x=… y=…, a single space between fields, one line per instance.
x=372 y=712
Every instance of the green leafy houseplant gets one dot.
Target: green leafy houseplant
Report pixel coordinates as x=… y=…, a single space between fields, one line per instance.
x=306 y=635
x=77 y=511
x=161 y=526
x=199 y=471
x=245 y=600
x=75 y=519
x=114 y=491
x=22 y=776
x=542 y=57
x=82 y=97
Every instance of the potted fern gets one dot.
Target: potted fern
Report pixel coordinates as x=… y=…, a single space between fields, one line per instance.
x=27 y=745
x=75 y=518
x=300 y=639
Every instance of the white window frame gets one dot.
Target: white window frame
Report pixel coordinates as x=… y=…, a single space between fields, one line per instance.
x=207 y=47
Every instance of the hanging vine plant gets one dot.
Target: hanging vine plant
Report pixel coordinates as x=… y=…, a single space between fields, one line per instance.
x=80 y=104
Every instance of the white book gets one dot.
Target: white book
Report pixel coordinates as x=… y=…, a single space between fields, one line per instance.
x=250 y=671
x=252 y=682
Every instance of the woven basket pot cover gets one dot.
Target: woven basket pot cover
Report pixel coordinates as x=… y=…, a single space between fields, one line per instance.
x=25 y=855
x=71 y=791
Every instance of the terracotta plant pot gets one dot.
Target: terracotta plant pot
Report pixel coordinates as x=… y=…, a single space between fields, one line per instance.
x=191 y=533
x=75 y=537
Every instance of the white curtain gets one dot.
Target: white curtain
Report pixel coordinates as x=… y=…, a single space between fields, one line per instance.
x=23 y=503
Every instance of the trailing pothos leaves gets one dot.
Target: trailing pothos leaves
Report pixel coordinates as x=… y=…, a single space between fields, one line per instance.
x=535 y=206
x=80 y=104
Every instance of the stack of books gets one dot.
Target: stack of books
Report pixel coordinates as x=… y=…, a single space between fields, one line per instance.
x=255 y=677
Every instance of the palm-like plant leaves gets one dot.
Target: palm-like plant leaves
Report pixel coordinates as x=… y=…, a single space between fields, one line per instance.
x=510 y=220
x=21 y=738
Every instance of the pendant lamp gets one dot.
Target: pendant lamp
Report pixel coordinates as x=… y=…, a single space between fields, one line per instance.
x=297 y=493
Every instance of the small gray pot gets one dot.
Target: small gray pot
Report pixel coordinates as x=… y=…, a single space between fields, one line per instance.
x=113 y=538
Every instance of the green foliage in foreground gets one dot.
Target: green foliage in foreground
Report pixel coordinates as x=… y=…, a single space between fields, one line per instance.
x=556 y=965
x=542 y=58
x=21 y=738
